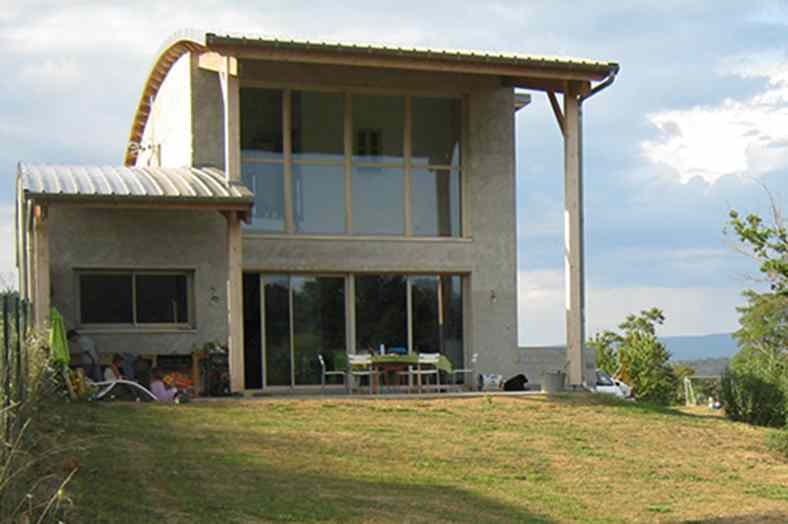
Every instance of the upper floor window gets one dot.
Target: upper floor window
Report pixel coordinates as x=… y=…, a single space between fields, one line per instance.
x=324 y=162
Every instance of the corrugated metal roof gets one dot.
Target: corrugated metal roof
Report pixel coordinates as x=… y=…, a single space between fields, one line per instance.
x=160 y=184
x=603 y=67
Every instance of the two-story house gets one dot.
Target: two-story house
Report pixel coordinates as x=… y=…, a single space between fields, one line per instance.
x=292 y=198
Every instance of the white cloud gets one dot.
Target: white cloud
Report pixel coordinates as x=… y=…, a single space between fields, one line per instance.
x=689 y=311
x=53 y=74
x=8 y=254
x=736 y=137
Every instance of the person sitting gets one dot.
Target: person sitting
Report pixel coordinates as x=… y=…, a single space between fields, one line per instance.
x=89 y=357
x=159 y=389
x=113 y=372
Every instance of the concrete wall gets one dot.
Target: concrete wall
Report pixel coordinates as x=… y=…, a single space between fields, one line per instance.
x=170 y=123
x=487 y=257
x=534 y=361
x=144 y=239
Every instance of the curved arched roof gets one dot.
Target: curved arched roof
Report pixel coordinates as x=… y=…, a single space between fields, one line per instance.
x=174 y=47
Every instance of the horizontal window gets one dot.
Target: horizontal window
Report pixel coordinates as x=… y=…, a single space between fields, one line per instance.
x=135 y=298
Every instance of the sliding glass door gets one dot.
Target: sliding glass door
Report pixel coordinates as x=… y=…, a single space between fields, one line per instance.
x=291 y=319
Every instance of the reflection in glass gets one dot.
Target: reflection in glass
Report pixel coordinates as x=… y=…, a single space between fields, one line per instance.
x=437 y=126
x=381 y=312
x=319 y=198
x=266 y=181
x=162 y=299
x=435 y=202
x=378 y=128
x=378 y=203
x=426 y=322
x=318 y=125
x=451 y=300
x=277 y=330
x=253 y=344
x=318 y=325
x=261 y=120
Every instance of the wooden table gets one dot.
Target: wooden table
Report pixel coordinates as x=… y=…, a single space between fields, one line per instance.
x=392 y=364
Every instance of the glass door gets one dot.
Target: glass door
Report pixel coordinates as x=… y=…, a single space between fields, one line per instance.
x=276 y=329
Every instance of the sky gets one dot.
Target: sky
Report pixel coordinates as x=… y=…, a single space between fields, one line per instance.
x=696 y=124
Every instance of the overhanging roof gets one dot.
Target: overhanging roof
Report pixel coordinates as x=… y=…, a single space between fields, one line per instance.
x=517 y=70
x=184 y=187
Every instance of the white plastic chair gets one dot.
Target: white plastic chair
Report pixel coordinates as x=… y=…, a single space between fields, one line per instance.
x=325 y=373
x=425 y=359
x=467 y=371
x=360 y=366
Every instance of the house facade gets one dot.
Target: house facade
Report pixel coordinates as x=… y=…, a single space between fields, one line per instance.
x=294 y=198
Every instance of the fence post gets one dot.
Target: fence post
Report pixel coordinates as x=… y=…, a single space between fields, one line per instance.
x=6 y=370
x=21 y=377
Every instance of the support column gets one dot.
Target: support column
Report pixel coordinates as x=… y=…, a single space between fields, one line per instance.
x=232 y=129
x=574 y=270
x=41 y=290
x=235 y=306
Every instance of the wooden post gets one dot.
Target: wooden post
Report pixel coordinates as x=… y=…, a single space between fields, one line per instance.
x=41 y=264
x=235 y=306
x=232 y=129
x=573 y=235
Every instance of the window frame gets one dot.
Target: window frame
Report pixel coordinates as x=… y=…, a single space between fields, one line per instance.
x=407 y=164
x=134 y=325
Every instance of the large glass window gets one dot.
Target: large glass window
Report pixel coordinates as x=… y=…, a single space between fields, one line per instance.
x=335 y=146
x=426 y=314
x=277 y=329
x=381 y=312
x=378 y=203
x=435 y=202
x=319 y=198
x=132 y=298
x=318 y=325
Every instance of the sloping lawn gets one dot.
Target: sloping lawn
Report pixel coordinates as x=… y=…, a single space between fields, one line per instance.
x=493 y=459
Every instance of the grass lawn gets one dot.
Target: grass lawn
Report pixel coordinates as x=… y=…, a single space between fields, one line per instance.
x=493 y=459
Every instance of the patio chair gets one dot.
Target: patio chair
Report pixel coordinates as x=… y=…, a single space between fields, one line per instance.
x=360 y=366
x=425 y=359
x=466 y=371
x=325 y=373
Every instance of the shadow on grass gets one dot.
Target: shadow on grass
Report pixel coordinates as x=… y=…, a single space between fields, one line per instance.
x=151 y=466
x=762 y=518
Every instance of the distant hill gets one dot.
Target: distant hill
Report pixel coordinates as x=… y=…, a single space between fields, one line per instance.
x=701 y=347
x=707 y=367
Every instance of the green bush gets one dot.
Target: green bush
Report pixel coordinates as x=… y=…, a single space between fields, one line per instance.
x=750 y=397
x=777 y=441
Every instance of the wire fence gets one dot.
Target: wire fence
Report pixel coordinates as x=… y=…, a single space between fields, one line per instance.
x=14 y=365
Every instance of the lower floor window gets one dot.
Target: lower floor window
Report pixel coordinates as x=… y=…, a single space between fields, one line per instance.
x=291 y=319
x=135 y=298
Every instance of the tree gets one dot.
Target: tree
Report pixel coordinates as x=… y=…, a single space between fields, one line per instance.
x=638 y=357
x=767 y=244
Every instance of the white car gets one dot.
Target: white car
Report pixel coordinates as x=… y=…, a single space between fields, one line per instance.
x=610 y=386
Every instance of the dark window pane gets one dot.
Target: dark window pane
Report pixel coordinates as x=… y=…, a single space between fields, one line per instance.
x=261 y=121
x=318 y=325
x=106 y=299
x=426 y=332
x=253 y=346
x=452 y=336
x=437 y=125
x=378 y=128
x=381 y=312
x=378 y=201
x=319 y=198
x=267 y=182
x=435 y=201
x=162 y=299
x=318 y=125
x=277 y=330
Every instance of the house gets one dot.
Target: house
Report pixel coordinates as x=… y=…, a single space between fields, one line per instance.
x=292 y=198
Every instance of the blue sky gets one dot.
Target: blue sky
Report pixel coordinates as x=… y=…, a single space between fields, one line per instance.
x=695 y=124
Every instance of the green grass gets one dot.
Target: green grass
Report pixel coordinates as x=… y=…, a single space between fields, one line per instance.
x=534 y=459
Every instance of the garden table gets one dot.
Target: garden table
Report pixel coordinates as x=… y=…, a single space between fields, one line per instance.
x=391 y=364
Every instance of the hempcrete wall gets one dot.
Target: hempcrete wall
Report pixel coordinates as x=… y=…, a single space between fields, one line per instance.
x=143 y=239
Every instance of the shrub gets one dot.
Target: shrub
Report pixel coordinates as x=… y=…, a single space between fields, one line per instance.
x=750 y=397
